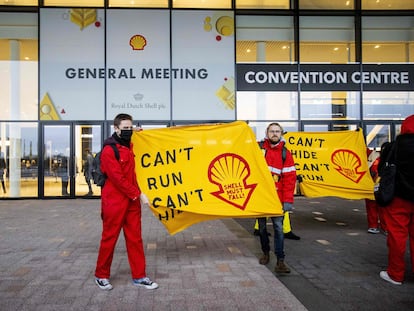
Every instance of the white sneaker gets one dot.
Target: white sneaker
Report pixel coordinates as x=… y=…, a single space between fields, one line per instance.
x=103 y=284
x=384 y=275
x=374 y=230
x=145 y=282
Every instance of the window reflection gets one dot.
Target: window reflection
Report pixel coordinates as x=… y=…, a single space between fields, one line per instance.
x=388 y=105
x=387 y=5
x=329 y=105
x=139 y=4
x=19 y=159
x=265 y=39
x=385 y=39
x=267 y=106
x=326 y=5
x=262 y=4
x=329 y=39
x=202 y=4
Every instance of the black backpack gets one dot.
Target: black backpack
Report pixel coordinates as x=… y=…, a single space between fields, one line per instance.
x=99 y=177
x=387 y=170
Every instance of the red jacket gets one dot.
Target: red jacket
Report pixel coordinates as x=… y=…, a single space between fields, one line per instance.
x=121 y=184
x=284 y=173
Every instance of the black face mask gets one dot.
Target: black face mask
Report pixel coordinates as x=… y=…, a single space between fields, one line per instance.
x=126 y=135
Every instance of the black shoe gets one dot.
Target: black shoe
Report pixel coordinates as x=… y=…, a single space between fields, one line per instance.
x=257 y=233
x=291 y=236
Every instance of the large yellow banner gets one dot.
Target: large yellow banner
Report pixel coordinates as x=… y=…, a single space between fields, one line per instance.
x=203 y=172
x=331 y=164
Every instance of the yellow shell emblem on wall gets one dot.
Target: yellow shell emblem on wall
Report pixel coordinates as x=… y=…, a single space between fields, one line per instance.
x=137 y=42
x=348 y=163
x=230 y=172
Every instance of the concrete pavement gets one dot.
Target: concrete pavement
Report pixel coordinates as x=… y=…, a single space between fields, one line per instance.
x=48 y=253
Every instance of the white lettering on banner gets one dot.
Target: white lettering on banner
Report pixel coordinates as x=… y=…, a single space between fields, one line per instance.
x=129 y=73
x=329 y=77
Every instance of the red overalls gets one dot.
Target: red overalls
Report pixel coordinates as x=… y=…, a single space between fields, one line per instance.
x=121 y=209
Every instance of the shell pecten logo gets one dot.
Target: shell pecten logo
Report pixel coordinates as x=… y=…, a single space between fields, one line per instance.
x=137 y=42
x=229 y=172
x=348 y=164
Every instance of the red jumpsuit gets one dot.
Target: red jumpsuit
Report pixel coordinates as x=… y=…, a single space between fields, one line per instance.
x=120 y=209
x=399 y=215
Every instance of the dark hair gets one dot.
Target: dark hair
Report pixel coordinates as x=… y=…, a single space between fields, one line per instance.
x=274 y=123
x=121 y=117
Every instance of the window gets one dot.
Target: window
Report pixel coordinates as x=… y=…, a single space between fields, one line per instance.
x=19 y=67
x=387 y=5
x=265 y=39
x=328 y=39
x=387 y=39
x=139 y=4
x=262 y=4
x=326 y=5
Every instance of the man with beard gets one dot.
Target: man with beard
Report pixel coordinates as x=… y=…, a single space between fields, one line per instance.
x=284 y=176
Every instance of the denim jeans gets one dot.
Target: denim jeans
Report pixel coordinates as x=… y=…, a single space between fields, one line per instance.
x=278 y=236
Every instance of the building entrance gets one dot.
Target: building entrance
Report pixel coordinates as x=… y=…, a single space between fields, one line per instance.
x=68 y=151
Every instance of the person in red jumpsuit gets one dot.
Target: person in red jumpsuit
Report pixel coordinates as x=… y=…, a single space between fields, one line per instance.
x=121 y=207
x=399 y=214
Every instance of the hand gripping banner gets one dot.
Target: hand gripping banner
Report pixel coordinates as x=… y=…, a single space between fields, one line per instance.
x=196 y=173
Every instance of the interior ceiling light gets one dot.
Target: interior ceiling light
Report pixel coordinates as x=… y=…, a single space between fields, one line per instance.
x=377 y=46
x=248 y=50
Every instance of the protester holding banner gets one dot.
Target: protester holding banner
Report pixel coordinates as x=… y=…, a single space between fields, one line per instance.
x=399 y=214
x=284 y=176
x=375 y=217
x=121 y=207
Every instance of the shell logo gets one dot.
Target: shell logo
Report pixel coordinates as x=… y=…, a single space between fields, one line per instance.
x=230 y=172
x=348 y=164
x=137 y=42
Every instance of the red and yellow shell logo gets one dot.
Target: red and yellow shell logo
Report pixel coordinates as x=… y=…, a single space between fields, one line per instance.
x=230 y=172
x=137 y=42
x=348 y=164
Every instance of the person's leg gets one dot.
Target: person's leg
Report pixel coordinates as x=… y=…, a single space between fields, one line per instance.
x=397 y=217
x=372 y=216
x=65 y=187
x=279 y=238
x=286 y=223
x=287 y=228
x=3 y=186
x=133 y=241
x=264 y=241
x=112 y=222
x=411 y=235
x=279 y=245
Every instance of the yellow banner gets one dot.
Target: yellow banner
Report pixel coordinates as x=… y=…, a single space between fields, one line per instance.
x=331 y=164
x=203 y=172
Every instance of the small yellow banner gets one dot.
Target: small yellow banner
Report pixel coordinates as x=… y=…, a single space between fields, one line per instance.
x=203 y=172
x=331 y=164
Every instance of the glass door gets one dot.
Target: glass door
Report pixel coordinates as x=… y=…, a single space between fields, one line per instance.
x=68 y=152
x=88 y=138
x=57 y=164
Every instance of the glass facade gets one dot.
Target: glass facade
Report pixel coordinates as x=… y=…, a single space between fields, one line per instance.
x=67 y=68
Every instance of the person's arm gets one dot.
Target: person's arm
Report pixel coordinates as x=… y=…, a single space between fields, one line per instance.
x=115 y=173
x=288 y=179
